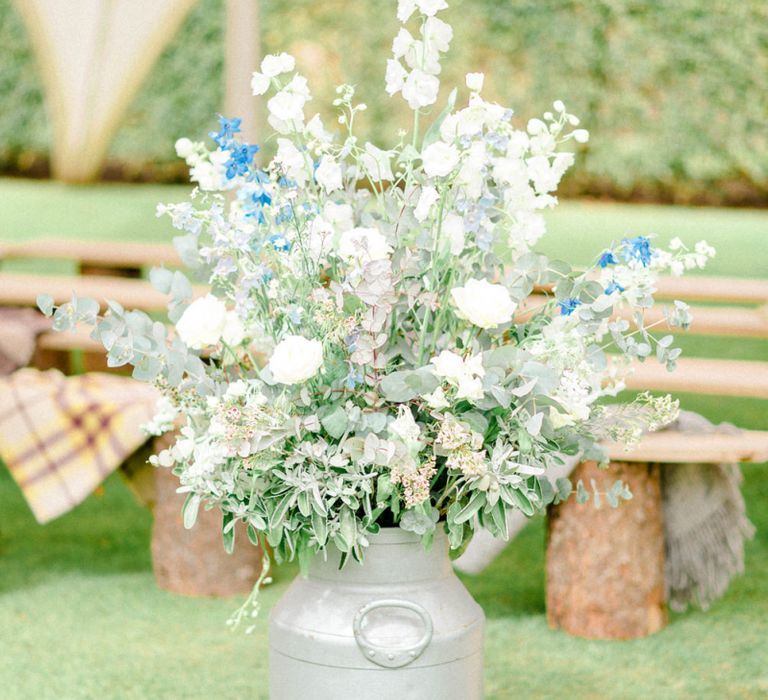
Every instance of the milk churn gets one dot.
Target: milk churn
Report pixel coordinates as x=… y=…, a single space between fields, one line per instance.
x=398 y=626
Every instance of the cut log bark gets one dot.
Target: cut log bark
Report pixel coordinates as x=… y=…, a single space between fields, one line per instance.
x=193 y=562
x=605 y=567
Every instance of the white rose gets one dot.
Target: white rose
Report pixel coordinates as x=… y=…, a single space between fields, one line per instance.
x=364 y=244
x=328 y=174
x=260 y=83
x=427 y=200
x=202 y=323
x=275 y=64
x=234 y=331
x=296 y=359
x=377 y=163
x=439 y=159
x=484 y=304
x=184 y=148
x=420 y=89
x=475 y=81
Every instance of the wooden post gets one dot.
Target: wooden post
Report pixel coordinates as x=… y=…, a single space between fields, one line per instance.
x=605 y=567
x=241 y=59
x=194 y=562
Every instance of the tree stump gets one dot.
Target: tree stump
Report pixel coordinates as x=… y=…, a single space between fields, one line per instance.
x=194 y=562
x=605 y=567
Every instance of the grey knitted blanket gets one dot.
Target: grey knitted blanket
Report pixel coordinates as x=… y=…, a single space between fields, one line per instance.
x=705 y=522
x=705 y=525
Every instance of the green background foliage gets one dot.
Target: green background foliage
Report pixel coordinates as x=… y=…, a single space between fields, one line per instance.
x=675 y=93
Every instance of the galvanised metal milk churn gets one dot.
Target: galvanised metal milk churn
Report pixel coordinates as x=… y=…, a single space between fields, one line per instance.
x=400 y=626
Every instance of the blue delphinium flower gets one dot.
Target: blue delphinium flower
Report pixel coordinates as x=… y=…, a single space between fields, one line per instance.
x=228 y=128
x=638 y=248
x=568 y=306
x=240 y=159
x=607 y=258
x=354 y=378
x=279 y=242
x=614 y=286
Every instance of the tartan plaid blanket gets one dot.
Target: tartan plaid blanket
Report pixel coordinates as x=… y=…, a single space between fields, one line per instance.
x=62 y=436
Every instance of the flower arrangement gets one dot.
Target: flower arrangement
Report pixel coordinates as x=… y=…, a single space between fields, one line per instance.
x=381 y=345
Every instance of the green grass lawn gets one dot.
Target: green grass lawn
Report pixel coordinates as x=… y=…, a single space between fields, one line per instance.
x=80 y=616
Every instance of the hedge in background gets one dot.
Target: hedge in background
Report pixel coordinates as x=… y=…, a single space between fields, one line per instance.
x=675 y=93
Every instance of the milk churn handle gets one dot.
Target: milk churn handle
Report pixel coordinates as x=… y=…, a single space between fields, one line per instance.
x=392 y=658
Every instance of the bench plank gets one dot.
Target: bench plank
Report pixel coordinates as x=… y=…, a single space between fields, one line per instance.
x=745 y=378
x=675 y=447
x=96 y=253
x=713 y=289
x=22 y=289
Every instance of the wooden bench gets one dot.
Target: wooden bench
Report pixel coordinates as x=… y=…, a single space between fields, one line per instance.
x=190 y=562
x=106 y=270
x=605 y=567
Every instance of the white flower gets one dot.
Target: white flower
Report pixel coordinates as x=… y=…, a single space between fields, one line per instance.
x=202 y=323
x=340 y=216
x=395 y=76
x=431 y=7
x=328 y=174
x=275 y=64
x=436 y=399
x=465 y=375
x=236 y=389
x=234 y=331
x=260 y=83
x=363 y=244
x=439 y=159
x=469 y=388
x=453 y=229
x=286 y=108
x=676 y=244
x=184 y=148
x=545 y=175
x=475 y=81
x=427 y=199
x=377 y=163
x=404 y=426
x=320 y=237
x=290 y=161
x=581 y=135
x=448 y=365
x=438 y=34
x=420 y=89
x=316 y=129
x=484 y=304
x=405 y=8
x=295 y=359
x=402 y=43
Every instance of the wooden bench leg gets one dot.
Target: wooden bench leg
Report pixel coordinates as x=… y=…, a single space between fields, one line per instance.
x=605 y=567
x=194 y=562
